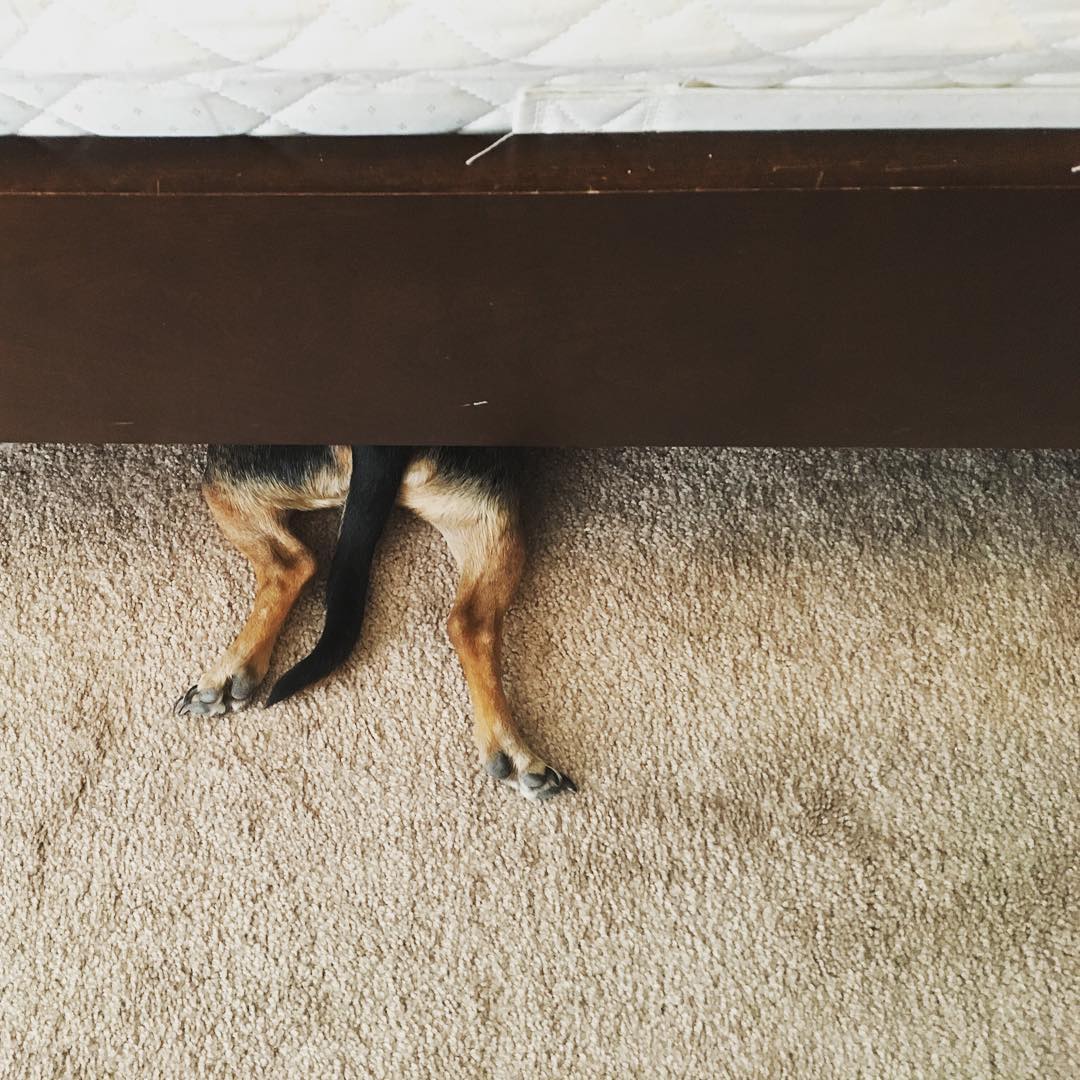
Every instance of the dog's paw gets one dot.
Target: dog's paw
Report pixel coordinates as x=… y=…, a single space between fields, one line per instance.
x=213 y=697
x=536 y=781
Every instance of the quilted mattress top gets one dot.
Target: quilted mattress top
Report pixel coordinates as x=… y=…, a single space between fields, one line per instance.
x=355 y=67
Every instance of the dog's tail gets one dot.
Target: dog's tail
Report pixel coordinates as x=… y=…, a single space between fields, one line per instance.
x=373 y=488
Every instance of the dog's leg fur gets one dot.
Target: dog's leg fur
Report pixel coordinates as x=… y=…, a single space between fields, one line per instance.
x=478 y=517
x=283 y=566
x=250 y=498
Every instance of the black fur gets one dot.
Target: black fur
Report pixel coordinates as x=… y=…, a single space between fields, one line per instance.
x=373 y=487
x=492 y=470
x=291 y=465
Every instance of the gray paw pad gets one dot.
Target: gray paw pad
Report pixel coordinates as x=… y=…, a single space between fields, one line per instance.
x=244 y=684
x=233 y=694
x=499 y=766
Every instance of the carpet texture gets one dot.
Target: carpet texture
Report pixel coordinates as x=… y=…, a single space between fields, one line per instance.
x=821 y=706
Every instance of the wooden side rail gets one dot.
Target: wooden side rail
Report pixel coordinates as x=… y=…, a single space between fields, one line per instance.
x=909 y=289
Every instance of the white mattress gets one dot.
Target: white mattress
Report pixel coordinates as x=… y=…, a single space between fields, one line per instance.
x=360 y=67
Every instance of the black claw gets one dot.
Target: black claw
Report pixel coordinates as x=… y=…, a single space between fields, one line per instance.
x=184 y=701
x=559 y=784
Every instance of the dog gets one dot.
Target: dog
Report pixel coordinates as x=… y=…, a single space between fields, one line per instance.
x=469 y=494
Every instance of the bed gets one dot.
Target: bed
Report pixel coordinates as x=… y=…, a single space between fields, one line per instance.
x=742 y=222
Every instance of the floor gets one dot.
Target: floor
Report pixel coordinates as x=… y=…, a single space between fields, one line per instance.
x=821 y=707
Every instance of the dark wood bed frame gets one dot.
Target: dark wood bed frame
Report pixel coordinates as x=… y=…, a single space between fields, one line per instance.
x=886 y=289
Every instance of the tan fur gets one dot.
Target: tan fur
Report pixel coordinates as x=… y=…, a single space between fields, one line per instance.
x=255 y=524
x=485 y=540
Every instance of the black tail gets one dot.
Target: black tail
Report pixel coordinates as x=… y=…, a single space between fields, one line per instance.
x=373 y=487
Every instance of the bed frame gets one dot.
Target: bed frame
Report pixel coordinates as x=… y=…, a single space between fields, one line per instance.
x=888 y=289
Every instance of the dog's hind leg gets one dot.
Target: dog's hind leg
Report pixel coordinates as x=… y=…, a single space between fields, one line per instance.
x=283 y=566
x=480 y=525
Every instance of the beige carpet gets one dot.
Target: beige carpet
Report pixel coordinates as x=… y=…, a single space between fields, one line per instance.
x=822 y=708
